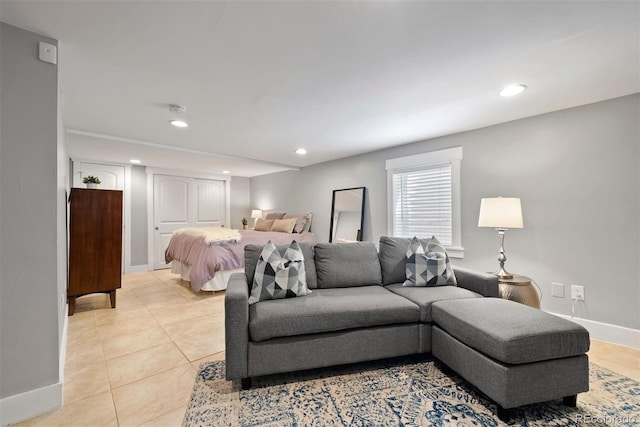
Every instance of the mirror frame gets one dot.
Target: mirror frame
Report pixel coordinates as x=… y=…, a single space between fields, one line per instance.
x=333 y=205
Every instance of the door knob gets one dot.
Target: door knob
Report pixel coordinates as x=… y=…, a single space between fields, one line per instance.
x=157 y=228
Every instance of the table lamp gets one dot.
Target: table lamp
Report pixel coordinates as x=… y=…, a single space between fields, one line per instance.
x=256 y=213
x=501 y=213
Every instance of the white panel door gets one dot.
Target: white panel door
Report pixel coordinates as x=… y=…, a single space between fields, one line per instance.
x=111 y=176
x=172 y=209
x=210 y=203
x=180 y=202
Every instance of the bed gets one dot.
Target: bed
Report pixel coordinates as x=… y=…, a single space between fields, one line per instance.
x=207 y=257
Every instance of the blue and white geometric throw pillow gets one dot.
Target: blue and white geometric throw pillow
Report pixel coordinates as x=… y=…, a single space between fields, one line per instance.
x=279 y=276
x=428 y=264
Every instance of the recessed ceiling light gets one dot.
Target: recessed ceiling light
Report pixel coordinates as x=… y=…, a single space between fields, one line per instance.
x=301 y=151
x=513 y=90
x=226 y=172
x=179 y=123
x=136 y=161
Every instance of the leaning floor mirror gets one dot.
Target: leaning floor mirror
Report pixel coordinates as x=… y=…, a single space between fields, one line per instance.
x=347 y=215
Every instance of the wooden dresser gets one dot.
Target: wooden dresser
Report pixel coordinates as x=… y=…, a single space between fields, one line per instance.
x=95 y=243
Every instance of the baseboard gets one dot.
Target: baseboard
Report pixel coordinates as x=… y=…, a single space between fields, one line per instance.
x=32 y=403
x=138 y=268
x=607 y=332
x=26 y=405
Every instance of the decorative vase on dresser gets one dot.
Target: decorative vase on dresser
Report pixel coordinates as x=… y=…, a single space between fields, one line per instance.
x=95 y=243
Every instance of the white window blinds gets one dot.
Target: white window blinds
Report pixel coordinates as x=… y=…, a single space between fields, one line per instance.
x=422 y=202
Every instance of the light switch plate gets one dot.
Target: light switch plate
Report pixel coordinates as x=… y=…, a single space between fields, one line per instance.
x=557 y=289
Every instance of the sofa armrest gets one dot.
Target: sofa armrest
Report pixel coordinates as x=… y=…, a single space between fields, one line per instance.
x=477 y=281
x=236 y=326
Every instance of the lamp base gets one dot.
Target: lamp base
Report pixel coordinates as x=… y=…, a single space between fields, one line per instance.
x=503 y=274
x=502 y=258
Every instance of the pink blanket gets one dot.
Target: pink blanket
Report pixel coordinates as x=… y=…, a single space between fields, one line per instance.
x=205 y=260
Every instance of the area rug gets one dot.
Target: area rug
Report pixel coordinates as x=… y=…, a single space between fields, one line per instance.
x=397 y=392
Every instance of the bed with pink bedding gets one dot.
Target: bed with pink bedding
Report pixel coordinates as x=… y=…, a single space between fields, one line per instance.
x=202 y=262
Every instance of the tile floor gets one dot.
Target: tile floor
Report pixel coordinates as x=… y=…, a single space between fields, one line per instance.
x=136 y=365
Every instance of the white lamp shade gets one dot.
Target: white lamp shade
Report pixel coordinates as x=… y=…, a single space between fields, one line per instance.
x=256 y=213
x=500 y=212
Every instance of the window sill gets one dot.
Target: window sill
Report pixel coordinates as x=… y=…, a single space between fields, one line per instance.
x=455 y=252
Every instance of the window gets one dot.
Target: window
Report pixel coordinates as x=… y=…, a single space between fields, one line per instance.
x=424 y=197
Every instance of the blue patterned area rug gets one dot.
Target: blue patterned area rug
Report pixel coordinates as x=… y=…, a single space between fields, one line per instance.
x=395 y=392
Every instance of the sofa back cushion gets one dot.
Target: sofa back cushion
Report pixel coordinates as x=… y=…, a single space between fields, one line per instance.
x=344 y=265
x=252 y=254
x=393 y=258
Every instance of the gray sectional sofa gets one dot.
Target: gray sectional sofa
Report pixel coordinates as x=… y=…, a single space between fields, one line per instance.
x=358 y=310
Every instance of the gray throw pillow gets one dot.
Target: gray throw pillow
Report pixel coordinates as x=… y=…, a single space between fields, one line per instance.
x=279 y=276
x=428 y=264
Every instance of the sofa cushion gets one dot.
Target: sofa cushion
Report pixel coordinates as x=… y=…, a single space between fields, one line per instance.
x=425 y=296
x=252 y=253
x=327 y=310
x=428 y=264
x=393 y=258
x=508 y=331
x=341 y=265
x=279 y=275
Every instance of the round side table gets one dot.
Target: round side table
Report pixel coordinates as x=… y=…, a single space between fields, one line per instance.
x=519 y=289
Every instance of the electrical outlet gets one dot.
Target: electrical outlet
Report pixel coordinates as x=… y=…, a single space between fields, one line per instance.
x=577 y=292
x=557 y=289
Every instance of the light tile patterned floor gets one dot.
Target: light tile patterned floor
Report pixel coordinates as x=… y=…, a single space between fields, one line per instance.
x=136 y=365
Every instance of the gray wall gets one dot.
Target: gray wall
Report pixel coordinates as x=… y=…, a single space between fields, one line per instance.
x=240 y=201
x=30 y=220
x=577 y=173
x=139 y=230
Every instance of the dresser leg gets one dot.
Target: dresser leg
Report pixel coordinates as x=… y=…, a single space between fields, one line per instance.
x=72 y=305
x=112 y=297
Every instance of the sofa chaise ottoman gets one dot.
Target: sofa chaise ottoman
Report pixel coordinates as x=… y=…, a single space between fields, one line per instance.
x=516 y=355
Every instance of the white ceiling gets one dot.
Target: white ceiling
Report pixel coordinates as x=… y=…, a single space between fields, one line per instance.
x=260 y=79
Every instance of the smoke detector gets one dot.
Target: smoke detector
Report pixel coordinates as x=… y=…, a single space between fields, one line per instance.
x=175 y=108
